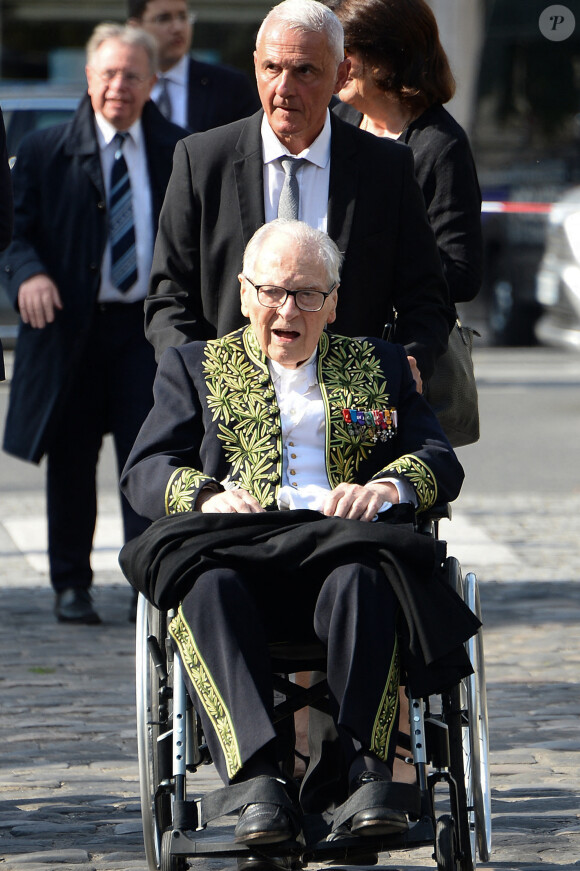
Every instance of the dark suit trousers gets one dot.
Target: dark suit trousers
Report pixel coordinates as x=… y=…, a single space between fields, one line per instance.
x=222 y=631
x=110 y=392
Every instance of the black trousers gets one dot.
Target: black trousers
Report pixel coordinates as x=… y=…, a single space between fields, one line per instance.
x=222 y=630
x=110 y=392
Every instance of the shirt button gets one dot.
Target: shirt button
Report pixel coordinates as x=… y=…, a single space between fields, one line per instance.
x=293 y=456
x=292 y=471
x=294 y=484
x=291 y=444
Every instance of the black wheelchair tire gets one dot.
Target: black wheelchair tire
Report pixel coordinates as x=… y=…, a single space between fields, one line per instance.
x=456 y=718
x=446 y=844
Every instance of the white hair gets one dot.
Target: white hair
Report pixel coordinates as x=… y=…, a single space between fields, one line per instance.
x=307 y=16
x=314 y=242
x=125 y=34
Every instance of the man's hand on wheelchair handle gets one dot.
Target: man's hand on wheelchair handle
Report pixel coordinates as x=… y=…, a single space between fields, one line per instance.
x=359 y=502
x=416 y=374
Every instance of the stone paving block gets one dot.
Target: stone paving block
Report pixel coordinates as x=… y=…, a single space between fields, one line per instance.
x=59 y=859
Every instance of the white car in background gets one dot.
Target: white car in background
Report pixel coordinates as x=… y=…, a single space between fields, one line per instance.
x=558 y=278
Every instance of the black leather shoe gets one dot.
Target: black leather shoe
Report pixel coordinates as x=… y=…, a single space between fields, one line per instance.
x=75 y=606
x=263 y=823
x=376 y=821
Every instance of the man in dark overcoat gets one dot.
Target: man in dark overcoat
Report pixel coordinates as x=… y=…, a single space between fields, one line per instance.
x=6 y=207
x=360 y=189
x=83 y=367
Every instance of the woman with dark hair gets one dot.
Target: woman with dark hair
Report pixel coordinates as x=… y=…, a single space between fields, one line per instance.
x=399 y=80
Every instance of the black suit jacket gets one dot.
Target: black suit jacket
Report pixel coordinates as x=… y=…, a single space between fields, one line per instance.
x=217 y=95
x=376 y=215
x=60 y=229
x=6 y=207
x=447 y=176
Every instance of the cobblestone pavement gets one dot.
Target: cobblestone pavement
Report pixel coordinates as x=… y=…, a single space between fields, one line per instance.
x=68 y=764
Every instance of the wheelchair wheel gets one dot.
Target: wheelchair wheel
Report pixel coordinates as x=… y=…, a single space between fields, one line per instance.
x=167 y=861
x=476 y=748
x=152 y=720
x=466 y=717
x=446 y=844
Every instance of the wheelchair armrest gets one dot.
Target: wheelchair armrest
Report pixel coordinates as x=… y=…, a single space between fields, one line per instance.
x=426 y=520
x=441 y=511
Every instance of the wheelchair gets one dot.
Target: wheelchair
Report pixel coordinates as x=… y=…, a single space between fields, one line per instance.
x=447 y=744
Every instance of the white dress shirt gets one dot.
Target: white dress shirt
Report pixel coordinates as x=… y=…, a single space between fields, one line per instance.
x=304 y=478
x=313 y=177
x=136 y=160
x=177 y=79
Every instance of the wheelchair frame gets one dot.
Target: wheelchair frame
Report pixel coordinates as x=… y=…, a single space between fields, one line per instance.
x=448 y=743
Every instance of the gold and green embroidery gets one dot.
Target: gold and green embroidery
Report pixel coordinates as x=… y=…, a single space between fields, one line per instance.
x=353 y=378
x=419 y=475
x=207 y=692
x=387 y=713
x=182 y=489
x=241 y=398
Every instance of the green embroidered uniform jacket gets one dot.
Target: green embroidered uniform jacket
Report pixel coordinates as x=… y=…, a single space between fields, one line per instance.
x=216 y=417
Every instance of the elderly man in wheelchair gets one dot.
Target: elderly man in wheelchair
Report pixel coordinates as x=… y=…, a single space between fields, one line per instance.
x=283 y=467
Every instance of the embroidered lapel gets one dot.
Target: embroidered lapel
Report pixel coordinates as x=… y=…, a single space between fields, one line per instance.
x=242 y=401
x=350 y=377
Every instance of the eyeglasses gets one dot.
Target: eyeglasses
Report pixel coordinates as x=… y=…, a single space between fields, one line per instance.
x=132 y=80
x=271 y=296
x=166 y=18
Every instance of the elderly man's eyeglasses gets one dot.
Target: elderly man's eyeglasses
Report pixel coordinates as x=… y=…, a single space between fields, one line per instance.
x=132 y=80
x=271 y=296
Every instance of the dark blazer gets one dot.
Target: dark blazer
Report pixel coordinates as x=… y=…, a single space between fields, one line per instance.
x=447 y=176
x=217 y=95
x=6 y=207
x=215 y=417
x=376 y=215
x=61 y=229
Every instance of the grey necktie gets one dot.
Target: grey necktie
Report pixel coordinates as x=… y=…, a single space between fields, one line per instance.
x=164 y=100
x=290 y=196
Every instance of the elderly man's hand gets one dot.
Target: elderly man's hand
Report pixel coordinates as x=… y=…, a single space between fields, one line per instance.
x=359 y=502
x=38 y=297
x=228 y=502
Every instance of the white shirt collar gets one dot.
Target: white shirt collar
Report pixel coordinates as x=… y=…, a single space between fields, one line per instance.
x=106 y=132
x=317 y=153
x=178 y=73
x=303 y=377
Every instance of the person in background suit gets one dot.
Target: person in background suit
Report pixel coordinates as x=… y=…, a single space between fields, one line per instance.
x=190 y=93
x=87 y=200
x=398 y=82
x=6 y=208
x=227 y=182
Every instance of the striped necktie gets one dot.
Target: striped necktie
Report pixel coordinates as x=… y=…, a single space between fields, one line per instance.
x=289 y=202
x=122 y=222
